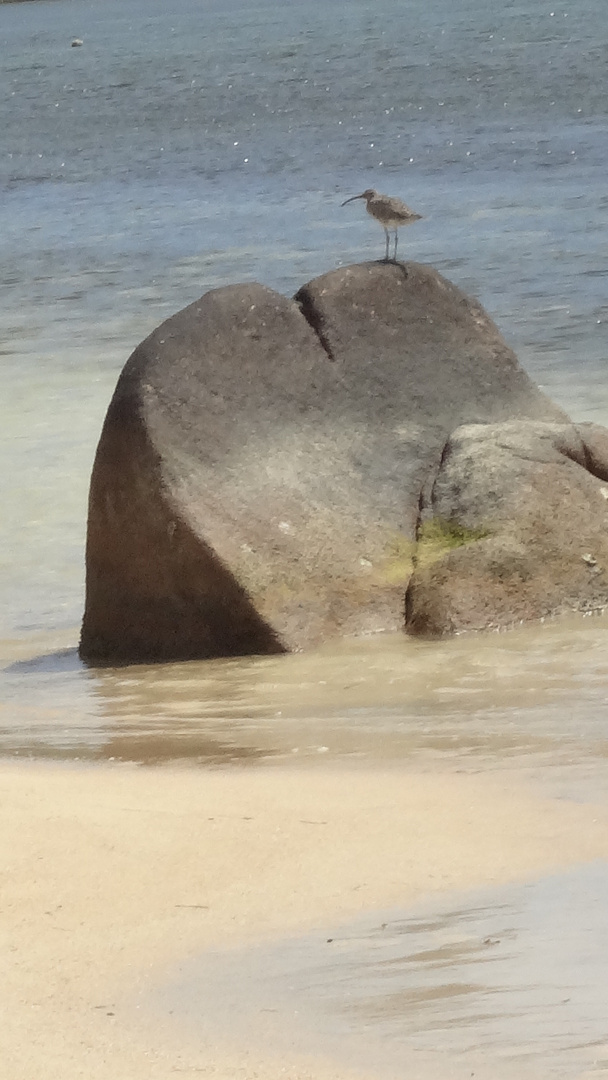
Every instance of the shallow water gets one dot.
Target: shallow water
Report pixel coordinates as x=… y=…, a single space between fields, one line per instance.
x=535 y=696
x=504 y=982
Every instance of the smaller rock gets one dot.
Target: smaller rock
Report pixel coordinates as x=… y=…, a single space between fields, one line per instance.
x=595 y=441
x=76 y=42
x=515 y=522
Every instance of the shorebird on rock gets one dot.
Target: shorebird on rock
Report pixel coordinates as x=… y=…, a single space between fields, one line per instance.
x=392 y=213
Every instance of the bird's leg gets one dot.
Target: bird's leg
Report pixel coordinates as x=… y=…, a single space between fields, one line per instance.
x=387 y=243
x=396 y=236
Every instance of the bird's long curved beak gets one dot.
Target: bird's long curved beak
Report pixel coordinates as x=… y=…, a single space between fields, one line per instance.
x=352 y=199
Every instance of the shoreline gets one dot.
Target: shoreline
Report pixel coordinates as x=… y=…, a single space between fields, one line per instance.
x=116 y=874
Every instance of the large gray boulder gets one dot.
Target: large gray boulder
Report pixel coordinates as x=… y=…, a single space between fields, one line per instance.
x=258 y=482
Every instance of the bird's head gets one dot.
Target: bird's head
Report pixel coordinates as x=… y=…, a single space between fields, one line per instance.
x=370 y=193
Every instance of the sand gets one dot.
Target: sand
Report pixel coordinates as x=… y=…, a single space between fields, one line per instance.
x=111 y=875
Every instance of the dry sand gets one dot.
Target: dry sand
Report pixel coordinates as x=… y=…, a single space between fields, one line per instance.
x=112 y=874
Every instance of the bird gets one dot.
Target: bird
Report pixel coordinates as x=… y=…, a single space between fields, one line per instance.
x=392 y=213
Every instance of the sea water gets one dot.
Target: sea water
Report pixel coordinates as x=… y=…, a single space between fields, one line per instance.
x=187 y=146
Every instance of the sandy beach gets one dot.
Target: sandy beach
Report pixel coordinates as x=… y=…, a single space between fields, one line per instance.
x=113 y=875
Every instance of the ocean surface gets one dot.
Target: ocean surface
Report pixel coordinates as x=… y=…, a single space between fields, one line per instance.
x=178 y=150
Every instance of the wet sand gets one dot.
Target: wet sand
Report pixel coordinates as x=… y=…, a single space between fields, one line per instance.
x=117 y=878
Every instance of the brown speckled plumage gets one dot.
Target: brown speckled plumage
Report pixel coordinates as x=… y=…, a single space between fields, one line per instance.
x=391 y=212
